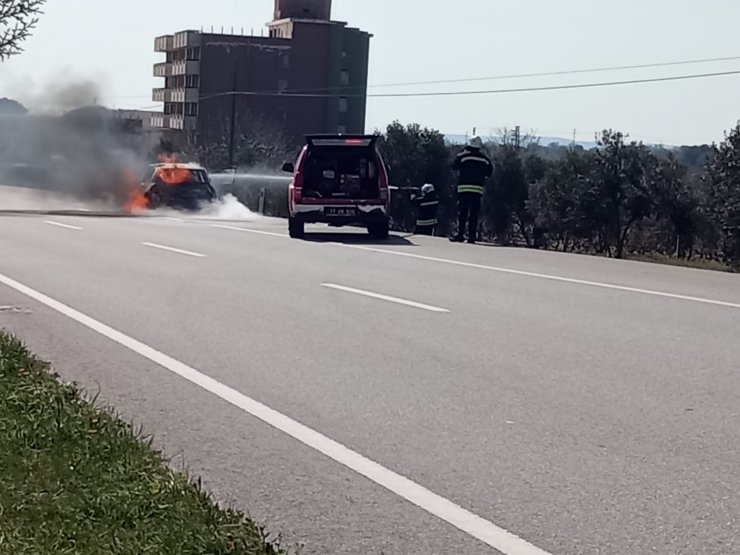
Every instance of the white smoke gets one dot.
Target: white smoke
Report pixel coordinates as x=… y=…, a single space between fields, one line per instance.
x=225 y=208
x=19 y=199
x=229 y=208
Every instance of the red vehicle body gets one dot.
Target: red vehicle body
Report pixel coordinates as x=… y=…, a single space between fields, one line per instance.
x=339 y=180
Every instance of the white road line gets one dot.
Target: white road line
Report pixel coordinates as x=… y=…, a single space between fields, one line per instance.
x=247 y=230
x=551 y=277
x=396 y=300
x=511 y=271
x=170 y=218
x=173 y=249
x=470 y=523
x=65 y=226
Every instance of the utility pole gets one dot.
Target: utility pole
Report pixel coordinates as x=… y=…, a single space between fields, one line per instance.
x=232 y=129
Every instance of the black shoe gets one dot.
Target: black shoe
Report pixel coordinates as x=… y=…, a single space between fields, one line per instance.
x=456 y=239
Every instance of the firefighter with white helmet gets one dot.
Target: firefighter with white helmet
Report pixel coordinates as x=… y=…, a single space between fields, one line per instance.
x=428 y=204
x=473 y=168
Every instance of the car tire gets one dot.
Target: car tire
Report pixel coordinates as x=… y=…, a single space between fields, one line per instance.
x=296 y=228
x=379 y=230
x=155 y=200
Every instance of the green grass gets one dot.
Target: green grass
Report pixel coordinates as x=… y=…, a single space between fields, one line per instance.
x=697 y=263
x=76 y=480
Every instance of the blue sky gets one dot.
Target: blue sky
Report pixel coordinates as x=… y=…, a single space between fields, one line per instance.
x=110 y=41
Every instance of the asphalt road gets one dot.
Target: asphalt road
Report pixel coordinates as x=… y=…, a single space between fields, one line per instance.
x=584 y=405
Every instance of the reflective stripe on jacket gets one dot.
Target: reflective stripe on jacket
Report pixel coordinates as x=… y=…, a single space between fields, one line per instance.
x=474 y=168
x=428 y=206
x=478 y=189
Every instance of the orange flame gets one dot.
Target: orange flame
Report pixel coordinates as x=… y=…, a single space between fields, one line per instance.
x=137 y=201
x=172 y=174
x=136 y=198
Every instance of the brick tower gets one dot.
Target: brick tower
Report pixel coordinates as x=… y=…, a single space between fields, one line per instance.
x=303 y=9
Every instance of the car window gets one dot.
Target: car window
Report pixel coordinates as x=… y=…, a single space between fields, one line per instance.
x=200 y=176
x=331 y=163
x=149 y=176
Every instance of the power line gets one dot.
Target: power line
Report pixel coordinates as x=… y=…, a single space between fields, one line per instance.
x=361 y=89
x=563 y=87
x=142 y=108
x=484 y=92
x=490 y=78
x=344 y=90
x=563 y=72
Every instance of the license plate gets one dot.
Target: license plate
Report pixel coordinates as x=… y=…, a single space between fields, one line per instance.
x=340 y=211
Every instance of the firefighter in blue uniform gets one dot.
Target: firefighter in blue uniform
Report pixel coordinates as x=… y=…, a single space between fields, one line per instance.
x=473 y=168
x=426 y=218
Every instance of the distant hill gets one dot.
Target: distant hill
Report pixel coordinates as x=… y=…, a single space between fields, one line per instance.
x=694 y=157
x=546 y=141
x=543 y=141
x=10 y=107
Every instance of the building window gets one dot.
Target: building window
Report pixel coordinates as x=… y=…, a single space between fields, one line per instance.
x=192 y=81
x=282 y=85
x=344 y=78
x=343 y=105
x=342 y=129
x=286 y=61
x=194 y=54
x=191 y=108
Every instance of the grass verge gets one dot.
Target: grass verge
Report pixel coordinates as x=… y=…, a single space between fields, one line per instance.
x=76 y=480
x=697 y=263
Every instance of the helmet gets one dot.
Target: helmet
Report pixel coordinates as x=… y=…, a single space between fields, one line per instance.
x=475 y=142
x=427 y=188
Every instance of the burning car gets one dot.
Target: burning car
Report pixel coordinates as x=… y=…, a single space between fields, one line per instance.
x=175 y=185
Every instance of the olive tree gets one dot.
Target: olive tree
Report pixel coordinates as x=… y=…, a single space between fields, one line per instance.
x=723 y=195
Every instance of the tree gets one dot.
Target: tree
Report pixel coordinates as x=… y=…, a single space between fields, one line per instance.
x=675 y=204
x=723 y=194
x=416 y=155
x=617 y=199
x=620 y=172
x=17 y=19
x=506 y=201
x=564 y=203
x=258 y=142
x=694 y=157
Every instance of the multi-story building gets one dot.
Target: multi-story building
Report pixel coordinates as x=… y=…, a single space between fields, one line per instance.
x=308 y=74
